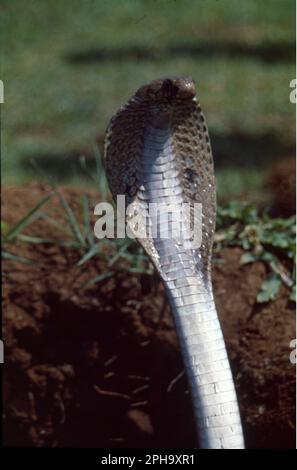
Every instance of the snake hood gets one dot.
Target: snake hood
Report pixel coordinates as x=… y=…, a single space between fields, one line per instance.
x=169 y=104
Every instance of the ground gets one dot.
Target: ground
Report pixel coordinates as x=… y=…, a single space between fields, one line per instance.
x=99 y=365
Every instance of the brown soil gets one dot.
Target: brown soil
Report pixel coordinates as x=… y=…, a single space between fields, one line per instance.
x=100 y=365
x=281 y=181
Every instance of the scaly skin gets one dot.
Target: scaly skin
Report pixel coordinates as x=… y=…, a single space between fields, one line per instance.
x=157 y=150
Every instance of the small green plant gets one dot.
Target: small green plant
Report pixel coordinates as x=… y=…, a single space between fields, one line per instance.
x=266 y=239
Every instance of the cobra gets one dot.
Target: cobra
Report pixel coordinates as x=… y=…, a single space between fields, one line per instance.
x=157 y=150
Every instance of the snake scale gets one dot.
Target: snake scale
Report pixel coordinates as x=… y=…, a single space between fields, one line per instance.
x=158 y=153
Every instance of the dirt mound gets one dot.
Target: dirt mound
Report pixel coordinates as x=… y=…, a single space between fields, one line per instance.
x=281 y=181
x=99 y=365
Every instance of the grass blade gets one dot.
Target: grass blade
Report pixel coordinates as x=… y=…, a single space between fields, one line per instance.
x=92 y=252
x=54 y=222
x=38 y=240
x=118 y=254
x=74 y=225
x=89 y=235
x=19 y=259
x=14 y=231
x=99 y=278
x=102 y=183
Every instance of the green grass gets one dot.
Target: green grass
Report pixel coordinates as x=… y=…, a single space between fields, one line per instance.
x=263 y=238
x=54 y=108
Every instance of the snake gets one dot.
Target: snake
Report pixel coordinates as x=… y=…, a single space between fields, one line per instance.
x=157 y=153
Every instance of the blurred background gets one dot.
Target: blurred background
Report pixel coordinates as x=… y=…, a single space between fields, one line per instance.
x=90 y=346
x=68 y=66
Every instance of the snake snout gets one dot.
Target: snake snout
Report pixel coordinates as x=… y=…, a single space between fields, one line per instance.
x=186 y=87
x=180 y=88
x=167 y=90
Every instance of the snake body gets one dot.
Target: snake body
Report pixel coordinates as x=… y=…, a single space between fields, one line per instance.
x=157 y=151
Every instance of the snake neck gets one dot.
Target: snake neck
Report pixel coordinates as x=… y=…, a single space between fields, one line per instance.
x=167 y=216
x=189 y=291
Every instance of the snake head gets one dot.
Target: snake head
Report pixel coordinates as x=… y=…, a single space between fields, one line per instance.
x=167 y=90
